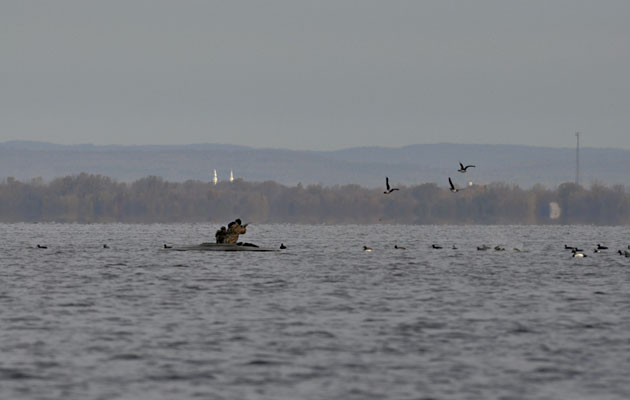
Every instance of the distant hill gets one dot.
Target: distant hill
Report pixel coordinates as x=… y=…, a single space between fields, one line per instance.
x=365 y=166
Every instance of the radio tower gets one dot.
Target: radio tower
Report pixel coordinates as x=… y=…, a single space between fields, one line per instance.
x=577 y=159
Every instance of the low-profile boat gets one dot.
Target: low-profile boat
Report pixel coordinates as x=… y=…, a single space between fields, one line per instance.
x=207 y=246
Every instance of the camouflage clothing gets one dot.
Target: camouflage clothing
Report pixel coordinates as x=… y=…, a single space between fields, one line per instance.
x=234 y=229
x=220 y=235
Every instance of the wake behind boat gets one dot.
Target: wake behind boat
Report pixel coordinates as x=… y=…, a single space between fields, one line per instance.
x=207 y=246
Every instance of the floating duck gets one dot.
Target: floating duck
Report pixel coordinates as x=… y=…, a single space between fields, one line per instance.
x=576 y=253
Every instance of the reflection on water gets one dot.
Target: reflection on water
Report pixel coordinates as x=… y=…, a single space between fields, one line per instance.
x=322 y=319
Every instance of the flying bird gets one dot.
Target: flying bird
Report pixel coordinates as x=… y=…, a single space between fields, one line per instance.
x=453 y=188
x=389 y=189
x=463 y=169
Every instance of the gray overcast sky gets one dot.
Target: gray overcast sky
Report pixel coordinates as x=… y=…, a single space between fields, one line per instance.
x=316 y=74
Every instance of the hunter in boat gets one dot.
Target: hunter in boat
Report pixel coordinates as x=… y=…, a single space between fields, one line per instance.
x=226 y=239
x=235 y=229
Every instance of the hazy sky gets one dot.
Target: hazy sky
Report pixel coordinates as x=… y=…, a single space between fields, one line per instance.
x=316 y=74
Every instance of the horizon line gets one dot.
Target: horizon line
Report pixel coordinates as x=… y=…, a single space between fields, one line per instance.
x=46 y=143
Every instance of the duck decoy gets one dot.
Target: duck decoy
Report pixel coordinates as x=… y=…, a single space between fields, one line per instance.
x=576 y=253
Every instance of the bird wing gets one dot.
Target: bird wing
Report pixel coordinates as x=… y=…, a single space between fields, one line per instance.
x=470 y=166
x=451 y=183
x=461 y=165
x=387 y=182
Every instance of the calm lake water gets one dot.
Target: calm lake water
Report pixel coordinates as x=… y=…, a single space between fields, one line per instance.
x=320 y=320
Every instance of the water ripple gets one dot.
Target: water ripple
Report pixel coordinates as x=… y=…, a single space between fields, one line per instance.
x=321 y=320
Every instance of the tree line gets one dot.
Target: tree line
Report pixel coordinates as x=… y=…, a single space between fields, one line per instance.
x=88 y=198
